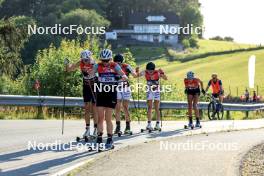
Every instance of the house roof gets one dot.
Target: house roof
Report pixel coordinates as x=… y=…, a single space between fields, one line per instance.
x=153 y=18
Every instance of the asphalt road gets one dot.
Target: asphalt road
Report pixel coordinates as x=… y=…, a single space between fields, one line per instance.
x=15 y=137
x=220 y=155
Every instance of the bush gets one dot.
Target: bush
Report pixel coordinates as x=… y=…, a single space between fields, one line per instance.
x=186 y=43
x=49 y=68
x=193 y=42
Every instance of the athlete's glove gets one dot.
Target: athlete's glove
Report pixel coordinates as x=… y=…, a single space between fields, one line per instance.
x=137 y=69
x=161 y=72
x=66 y=61
x=203 y=91
x=85 y=73
x=185 y=91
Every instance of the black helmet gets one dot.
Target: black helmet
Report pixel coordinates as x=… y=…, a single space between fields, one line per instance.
x=150 y=66
x=119 y=58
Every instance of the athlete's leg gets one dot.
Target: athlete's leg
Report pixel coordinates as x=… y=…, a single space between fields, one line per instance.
x=195 y=106
x=101 y=113
x=87 y=113
x=127 y=115
x=190 y=107
x=157 y=109
x=109 y=125
x=95 y=118
x=149 y=115
x=221 y=98
x=108 y=119
x=118 y=115
x=126 y=110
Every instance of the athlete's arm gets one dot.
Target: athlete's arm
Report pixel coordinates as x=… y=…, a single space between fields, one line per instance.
x=162 y=74
x=133 y=72
x=118 y=69
x=208 y=86
x=202 y=86
x=221 y=86
x=72 y=67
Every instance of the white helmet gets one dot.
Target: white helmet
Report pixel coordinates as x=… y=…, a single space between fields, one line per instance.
x=86 y=54
x=106 y=54
x=190 y=75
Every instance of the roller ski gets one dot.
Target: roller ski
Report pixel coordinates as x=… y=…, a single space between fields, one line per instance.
x=157 y=127
x=150 y=129
x=105 y=146
x=127 y=132
x=118 y=131
x=87 y=136
x=191 y=126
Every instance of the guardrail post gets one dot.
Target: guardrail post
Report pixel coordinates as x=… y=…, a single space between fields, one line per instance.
x=201 y=113
x=228 y=117
x=247 y=113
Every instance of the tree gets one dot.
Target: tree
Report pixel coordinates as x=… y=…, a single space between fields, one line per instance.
x=13 y=34
x=85 y=18
x=49 y=67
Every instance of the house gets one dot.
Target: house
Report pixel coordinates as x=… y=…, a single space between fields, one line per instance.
x=146 y=27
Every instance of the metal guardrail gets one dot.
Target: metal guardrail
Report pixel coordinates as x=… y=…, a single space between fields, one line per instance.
x=53 y=101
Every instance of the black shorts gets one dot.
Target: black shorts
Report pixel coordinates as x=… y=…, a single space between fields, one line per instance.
x=216 y=95
x=88 y=94
x=193 y=92
x=106 y=99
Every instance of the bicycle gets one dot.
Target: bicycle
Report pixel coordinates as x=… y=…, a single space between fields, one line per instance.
x=215 y=108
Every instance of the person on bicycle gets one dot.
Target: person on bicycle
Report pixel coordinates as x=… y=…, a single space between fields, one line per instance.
x=217 y=88
x=106 y=93
x=193 y=88
x=152 y=77
x=123 y=94
x=86 y=64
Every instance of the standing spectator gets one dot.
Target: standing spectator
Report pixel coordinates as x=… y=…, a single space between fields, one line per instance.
x=254 y=96
x=247 y=95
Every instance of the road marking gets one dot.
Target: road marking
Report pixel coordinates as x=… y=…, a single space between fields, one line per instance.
x=68 y=169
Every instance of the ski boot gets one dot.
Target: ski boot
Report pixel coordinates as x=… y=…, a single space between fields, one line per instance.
x=128 y=131
x=85 y=136
x=197 y=124
x=109 y=144
x=117 y=130
x=157 y=127
x=190 y=125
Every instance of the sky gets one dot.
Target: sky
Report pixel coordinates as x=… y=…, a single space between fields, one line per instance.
x=241 y=19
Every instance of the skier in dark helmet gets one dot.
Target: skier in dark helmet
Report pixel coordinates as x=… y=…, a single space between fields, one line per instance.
x=152 y=76
x=123 y=94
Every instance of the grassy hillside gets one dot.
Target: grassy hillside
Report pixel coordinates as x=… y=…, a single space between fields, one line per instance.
x=232 y=69
x=143 y=53
x=206 y=46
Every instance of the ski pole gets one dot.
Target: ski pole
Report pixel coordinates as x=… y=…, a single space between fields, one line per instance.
x=138 y=98
x=66 y=62
x=160 y=104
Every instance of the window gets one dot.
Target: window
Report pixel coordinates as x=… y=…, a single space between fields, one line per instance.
x=155 y=18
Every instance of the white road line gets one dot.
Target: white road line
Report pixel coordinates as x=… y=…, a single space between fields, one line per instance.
x=68 y=169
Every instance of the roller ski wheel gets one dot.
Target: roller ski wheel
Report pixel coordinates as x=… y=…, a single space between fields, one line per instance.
x=198 y=126
x=85 y=138
x=119 y=134
x=188 y=127
x=128 y=132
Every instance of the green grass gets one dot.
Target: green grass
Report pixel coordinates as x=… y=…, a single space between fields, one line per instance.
x=143 y=53
x=231 y=68
x=206 y=46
